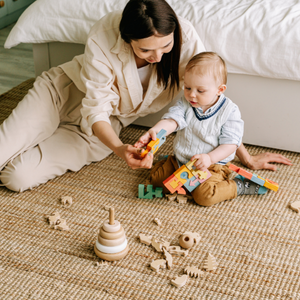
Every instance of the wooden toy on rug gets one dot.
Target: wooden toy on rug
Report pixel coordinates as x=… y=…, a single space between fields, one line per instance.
x=188 y=239
x=180 y=281
x=57 y=222
x=52 y=219
x=210 y=263
x=66 y=200
x=154 y=145
x=157 y=221
x=182 y=199
x=145 y=239
x=193 y=271
x=157 y=192
x=296 y=206
x=168 y=258
x=111 y=243
x=178 y=251
x=172 y=197
x=158 y=264
x=255 y=178
x=186 y=176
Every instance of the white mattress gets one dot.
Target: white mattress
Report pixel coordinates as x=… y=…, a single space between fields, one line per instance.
x=255 y=37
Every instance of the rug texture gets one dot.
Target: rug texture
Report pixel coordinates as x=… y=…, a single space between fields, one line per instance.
x=255 y=239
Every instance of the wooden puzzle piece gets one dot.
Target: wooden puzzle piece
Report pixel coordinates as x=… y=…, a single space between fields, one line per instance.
x=173 y=181
x=62 y=226
x=192 y=183
x=271 y=185
x=154 y=145
x=145 y=239
x=193 y=272
x=66 y=200
x=53 y=218
x=201 y=175
x=168 y=258
x=176 y=250
x=158 y=264
x=182 y=199
x=157 y=221
x=171 y=197
x=257 y=179
x=210 y=263
x=183 y=174
x=296 y=206
x=156 y=192
x=180 y=281
x=157 y=245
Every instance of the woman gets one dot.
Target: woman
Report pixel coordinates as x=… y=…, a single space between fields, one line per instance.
x=132 y=66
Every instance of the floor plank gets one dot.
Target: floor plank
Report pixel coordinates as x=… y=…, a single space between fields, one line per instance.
x=16 y=64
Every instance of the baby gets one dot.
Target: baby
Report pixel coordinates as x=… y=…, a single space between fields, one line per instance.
x=209 y=129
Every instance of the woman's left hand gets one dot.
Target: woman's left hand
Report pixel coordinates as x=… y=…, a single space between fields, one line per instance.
x=263 y=161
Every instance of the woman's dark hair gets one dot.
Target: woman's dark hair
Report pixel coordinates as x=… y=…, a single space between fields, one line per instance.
x=144 y=18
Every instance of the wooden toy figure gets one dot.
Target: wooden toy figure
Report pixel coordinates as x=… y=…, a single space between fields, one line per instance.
x=111 y=244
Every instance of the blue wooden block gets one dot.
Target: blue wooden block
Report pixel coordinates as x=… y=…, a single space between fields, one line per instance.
x=194 y=181
x=161 y=134
x=257 y=180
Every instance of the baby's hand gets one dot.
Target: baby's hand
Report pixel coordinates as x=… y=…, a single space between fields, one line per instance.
x=203 y=161
x=145 y=139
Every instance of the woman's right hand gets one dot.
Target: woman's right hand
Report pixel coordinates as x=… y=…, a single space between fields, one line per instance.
x=132 y=156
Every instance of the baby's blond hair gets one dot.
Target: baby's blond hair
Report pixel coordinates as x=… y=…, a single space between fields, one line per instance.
x=209 y=63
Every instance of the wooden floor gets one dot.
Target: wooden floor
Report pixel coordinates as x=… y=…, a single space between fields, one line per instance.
x=16 y=64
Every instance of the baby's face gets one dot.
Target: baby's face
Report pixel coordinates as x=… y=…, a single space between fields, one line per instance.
x=200 y=90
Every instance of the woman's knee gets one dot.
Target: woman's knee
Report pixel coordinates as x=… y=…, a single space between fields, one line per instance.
x=18 y=176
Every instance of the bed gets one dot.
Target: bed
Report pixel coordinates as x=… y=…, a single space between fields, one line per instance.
x=259 y=40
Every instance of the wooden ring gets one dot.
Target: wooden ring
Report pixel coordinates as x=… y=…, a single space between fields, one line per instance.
x=111 y=235
x=111 y=243
x=111 y=228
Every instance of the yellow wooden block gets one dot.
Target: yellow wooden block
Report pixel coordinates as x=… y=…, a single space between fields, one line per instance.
x=190 y=164
x=271 y=185
x=180 y=171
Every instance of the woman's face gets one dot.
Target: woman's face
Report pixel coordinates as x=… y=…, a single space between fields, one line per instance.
x=152 y=49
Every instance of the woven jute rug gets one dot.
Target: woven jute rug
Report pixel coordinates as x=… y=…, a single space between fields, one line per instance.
x=255 y=239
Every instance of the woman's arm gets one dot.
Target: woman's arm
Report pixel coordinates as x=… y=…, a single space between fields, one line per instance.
x=130 y=154
x=262 y=160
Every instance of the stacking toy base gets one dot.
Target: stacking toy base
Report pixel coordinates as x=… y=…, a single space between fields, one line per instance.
x=111 y=256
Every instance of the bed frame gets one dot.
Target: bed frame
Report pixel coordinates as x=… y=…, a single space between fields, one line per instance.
x=269 y=107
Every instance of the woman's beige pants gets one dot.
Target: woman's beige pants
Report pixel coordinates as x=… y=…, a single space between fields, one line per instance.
x=41 y=139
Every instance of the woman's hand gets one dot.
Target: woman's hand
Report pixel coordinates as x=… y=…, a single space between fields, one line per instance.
x=203 y=161
x=263 y=160
x=132 y=157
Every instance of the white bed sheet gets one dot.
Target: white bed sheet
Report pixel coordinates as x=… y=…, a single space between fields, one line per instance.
x=255 y=37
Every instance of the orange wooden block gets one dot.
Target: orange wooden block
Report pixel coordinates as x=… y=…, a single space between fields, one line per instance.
x=234 y=168
x=174 y=185
x=271 y=185
x=183 y=174
x=245 y=173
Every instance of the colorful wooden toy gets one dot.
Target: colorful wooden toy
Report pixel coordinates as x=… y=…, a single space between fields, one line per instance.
x=156 y=192
x=154 y=145
x=186 y=176
x=255 y=178
x=111 y=244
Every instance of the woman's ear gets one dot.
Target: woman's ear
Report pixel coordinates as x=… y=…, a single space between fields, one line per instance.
x=221 y=89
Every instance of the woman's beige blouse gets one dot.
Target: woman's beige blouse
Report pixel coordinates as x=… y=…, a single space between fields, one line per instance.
x=107 y=74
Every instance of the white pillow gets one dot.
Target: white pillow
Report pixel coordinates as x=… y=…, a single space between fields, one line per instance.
x=254 y=37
